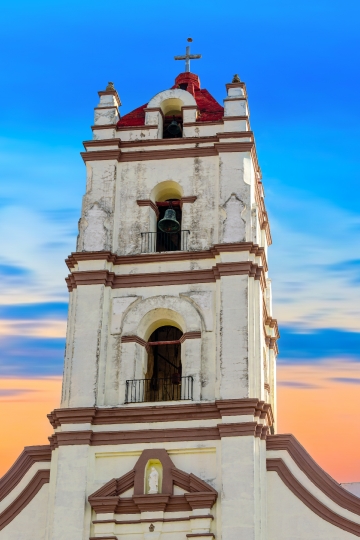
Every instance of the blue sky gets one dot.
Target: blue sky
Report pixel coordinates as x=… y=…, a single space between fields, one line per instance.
x=299 y=61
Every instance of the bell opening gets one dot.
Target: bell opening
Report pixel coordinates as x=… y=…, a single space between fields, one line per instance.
x=169 y=225
x=173 y=125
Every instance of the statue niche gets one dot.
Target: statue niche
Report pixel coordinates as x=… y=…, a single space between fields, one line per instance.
x=95 y=233
x=153 y=477
x=234 y=224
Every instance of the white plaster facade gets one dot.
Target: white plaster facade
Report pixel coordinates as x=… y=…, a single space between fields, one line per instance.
x=218 y=294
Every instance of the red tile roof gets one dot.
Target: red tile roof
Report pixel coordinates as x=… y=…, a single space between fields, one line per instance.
x=209 y=109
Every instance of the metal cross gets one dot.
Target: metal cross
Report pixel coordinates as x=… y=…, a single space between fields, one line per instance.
x=188 y=57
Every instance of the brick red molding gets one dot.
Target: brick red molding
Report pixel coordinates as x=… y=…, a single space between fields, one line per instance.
x=103 y=438
x=277 y=465
x=173 y=153
x=314 y=472
x=211 y=253
x=162 y=413
x=29 y=456
x=167 y=142
x=199 y=493
x=36 y=483
x=137 y=339
x=148 y=202
x=152 y=279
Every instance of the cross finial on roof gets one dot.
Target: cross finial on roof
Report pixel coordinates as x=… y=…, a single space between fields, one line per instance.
x=188 y=56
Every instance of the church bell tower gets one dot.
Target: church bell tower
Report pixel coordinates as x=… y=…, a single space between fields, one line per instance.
x=169 y=378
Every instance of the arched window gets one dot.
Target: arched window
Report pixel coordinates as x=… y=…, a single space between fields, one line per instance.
x=169 y=241
x=173 y=118
x=164 y=365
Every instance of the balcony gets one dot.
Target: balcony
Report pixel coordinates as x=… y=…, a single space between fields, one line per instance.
x=152 y=242
x=149 y=390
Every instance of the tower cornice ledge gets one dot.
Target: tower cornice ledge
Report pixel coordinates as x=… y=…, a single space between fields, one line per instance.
x=152 y=279
x=162 y=413
x=172 y=256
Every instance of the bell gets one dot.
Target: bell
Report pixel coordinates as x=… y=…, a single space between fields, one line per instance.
x=174 y=129
x=168 y=223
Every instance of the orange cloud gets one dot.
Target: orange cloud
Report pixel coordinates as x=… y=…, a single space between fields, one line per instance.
x=23 y=422
x=318 y=404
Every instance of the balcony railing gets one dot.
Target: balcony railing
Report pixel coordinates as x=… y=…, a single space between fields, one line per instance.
x=171 y=389
x=152 y=242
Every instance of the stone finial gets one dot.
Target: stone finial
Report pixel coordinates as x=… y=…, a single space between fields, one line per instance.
x=236 y=78
x=110 y=87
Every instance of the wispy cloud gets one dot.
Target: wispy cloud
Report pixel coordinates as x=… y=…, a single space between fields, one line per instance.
x=14 y=392
x=315 y=284
x=346 y=380
x=298 y=384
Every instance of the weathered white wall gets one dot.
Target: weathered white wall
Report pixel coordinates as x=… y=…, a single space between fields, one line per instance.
x=288 y=517
x=30 y=524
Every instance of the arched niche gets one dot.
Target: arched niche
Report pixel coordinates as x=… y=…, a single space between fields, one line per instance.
x=168 y=189
x=157 y=466
x=170 y=98
x=143 y=319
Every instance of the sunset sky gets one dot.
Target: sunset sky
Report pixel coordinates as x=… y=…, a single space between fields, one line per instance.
x=299 y=61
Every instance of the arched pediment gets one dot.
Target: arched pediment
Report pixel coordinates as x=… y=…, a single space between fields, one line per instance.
x=198 y=494
x=145 y=316
x=167 y=98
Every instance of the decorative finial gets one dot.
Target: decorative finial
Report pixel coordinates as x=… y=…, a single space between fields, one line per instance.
x=236 y=78
x=188 y=56
x=110 y=87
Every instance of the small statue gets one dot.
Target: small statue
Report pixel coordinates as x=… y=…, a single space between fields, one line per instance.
x=236 y=78
x=153 y=481
x=110 y=87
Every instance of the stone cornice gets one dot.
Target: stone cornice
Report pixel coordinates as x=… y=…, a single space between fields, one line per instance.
x=211 y=253
x=103 y=438
x=36 y=483
x=169 y=142
x=314 y=472
x=173 y=153
x=152 y=279
x=162 y=413
x=29 y=456
x=278 y=465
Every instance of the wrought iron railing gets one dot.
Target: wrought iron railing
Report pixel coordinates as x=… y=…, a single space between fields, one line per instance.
x=152 y=242
x=170 y=389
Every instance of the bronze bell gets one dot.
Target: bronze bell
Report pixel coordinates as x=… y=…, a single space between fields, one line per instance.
x=174 y=129
x=168 y=223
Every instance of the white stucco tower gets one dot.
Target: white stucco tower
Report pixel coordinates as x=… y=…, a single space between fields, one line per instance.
x=167 y=423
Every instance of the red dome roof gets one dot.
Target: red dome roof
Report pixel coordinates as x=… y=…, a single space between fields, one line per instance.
x=209 y=109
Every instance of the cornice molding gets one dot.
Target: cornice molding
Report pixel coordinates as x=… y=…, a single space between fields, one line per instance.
x=277 y=465
x=36 y=483
x=29 y=456
x=103 y=438
x=148 y=202
x=170 y=142
x=152 y=279
x=162 y=413
x=110 y=93
x=172 y=153
x=314 y=472
x=143 y=343
x=211 y=253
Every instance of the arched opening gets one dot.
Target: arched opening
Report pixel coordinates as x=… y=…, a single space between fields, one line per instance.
x=169 y=240
x=164 y=368
x=173 y=118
